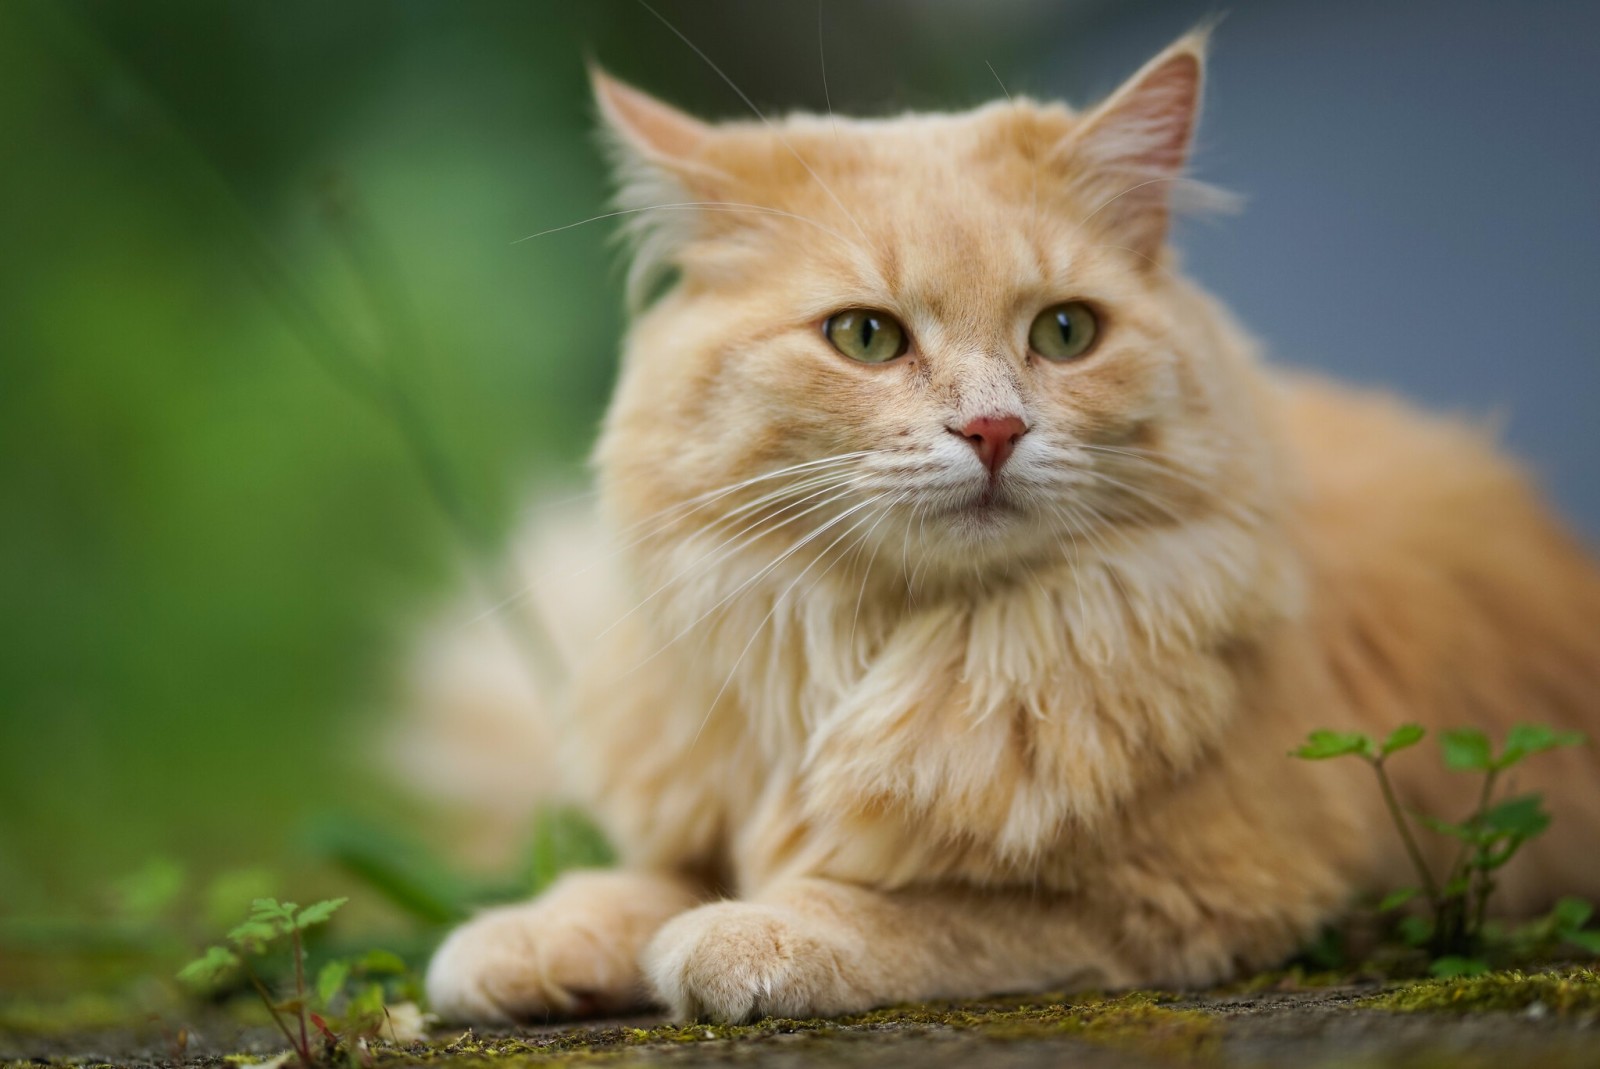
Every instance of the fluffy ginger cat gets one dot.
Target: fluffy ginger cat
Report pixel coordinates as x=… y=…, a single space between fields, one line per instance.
x=977 y=578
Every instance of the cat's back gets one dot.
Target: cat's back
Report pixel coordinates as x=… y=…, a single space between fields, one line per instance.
x=1444 y=590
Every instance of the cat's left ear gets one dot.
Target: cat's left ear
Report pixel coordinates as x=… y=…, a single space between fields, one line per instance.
x=1130 y=152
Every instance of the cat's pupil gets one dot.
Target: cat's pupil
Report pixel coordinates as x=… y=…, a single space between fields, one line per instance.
x=1064 y=321
x=869 y=327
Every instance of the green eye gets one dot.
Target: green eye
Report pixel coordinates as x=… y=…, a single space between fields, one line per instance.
x=1064 y=332
x=866 y=335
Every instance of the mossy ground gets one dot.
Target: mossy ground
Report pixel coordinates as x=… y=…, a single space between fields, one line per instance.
x=1564 y=991
x=1548 y=1018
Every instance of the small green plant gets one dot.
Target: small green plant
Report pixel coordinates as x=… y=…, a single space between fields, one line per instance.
x=1454 y=931
x=350 y=1003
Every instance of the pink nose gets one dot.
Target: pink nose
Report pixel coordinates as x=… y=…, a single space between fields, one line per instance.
x=994 y=437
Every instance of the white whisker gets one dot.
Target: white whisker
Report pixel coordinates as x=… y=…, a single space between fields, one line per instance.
x=693 y=205
x=693 y=505
x=758 y=113
x=778 y=602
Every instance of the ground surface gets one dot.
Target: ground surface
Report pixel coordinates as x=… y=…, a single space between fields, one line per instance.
x=1547 y=1019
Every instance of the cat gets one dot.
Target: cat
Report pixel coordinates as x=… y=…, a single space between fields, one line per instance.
x=977 y=578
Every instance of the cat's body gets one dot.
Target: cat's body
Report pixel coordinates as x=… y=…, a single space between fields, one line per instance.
x=945 y=725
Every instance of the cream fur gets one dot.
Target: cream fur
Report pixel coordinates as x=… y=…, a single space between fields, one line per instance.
x=901 y=746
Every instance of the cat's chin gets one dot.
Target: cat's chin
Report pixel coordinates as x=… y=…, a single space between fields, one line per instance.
x=985 y=527
x=985 y=516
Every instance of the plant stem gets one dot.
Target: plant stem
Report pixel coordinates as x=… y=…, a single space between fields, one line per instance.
x=300 y=989
x=301 y=1049
x=1475 y=901
x=1404 y=827
x=1485 y=888
x=1459 y=867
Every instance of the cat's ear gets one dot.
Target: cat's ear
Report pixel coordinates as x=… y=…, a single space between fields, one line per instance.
x=1130 y=152
x=661 y=177
x=655 y=132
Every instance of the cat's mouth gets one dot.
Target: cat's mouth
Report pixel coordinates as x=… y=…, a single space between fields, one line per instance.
x=989 y=504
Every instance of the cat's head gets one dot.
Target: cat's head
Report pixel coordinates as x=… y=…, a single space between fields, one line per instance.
x=950 y=337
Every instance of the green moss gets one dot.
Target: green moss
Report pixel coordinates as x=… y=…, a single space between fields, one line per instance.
x=1137 y=1021
x=1562 y=992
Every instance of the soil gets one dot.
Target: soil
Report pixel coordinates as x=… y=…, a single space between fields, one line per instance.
x=1549 y=1019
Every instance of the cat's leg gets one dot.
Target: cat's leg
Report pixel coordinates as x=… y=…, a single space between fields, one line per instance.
x=572 y=951
x=812 y=947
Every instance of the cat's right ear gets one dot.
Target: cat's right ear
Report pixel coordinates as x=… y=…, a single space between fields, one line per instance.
x=643 y=126
x=661 y=176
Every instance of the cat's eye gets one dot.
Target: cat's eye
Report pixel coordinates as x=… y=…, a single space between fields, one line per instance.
x=864 y=334
x=1064 y=331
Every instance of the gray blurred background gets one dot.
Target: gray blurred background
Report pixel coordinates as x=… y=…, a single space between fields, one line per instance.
x=235 y=233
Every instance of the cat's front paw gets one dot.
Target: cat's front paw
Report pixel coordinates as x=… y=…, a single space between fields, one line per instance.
x=736 y=961
x=571 y=952
x=521 y=963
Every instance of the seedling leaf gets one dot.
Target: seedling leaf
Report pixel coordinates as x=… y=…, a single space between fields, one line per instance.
x=1396 y=899
x=1415 y=930
x=330 y=980
x=1402 y=737
x=1527 y=739
x=1522 y=817
x=1570 y=914
x=1467 y=750
x=381 y=963
x=318 y=913
x=271 y=911
x=253 y=934
x=1445 y=827
x=1588 y=941
x=366 y=1004
x=1322 y=745
x=206 y=970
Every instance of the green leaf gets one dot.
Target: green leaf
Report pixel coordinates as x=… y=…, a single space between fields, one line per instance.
x=1522 y=817
x=1454 y=965
x=1492 y=857
x=206 y=970
x=271 y=911
x=1525 y=740
x=1321 y=745
x=1588 y=941
x=1467 y=750
x=318 y=913
x=1396 y=899
x=1570 y=914
x=1445 y=827
x=253 y=934
x=381 y=963
x=1402 y=737
x=1414 y=930
x=366 y=1005
x=330 y=980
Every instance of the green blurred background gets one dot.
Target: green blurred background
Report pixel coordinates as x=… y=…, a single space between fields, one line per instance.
x=275 y=369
